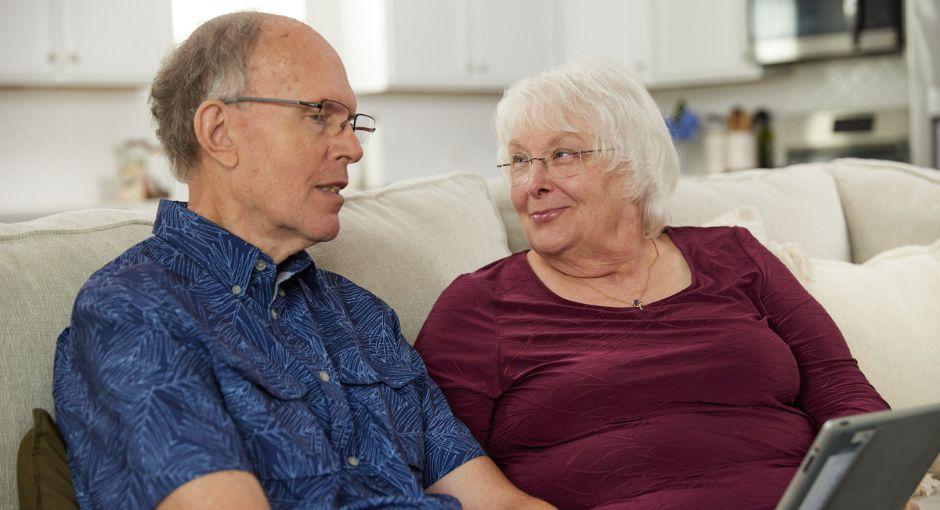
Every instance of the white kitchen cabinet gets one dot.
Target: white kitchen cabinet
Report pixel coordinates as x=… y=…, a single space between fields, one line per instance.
x=26 y=38
x=696 y=42
x=434 y=45
x=82 y=43
x=610 y=29
x=662 y=42
x=512 y=39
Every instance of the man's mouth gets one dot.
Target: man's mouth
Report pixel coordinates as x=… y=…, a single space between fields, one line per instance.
x=330 y=188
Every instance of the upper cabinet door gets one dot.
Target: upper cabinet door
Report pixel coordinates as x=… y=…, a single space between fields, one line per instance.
x=607 y=29
x=115 y=41
x=28 y=48
x=700 y=42
x=511 y=40
x=428 y=45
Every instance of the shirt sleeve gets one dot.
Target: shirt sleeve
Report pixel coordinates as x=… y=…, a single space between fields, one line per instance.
x=139 y=409
x=460 y=346
x=448 y=444
x=831 y=384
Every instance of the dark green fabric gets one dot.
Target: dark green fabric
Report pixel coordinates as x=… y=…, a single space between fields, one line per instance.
x=42 y=469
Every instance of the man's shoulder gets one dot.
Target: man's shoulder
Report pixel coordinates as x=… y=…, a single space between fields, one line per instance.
x=141 y=270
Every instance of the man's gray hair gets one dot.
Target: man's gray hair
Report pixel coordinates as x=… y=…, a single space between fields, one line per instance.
x=210 y=63
x=623 y=119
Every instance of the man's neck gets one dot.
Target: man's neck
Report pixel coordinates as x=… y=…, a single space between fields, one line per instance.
x=215 y=202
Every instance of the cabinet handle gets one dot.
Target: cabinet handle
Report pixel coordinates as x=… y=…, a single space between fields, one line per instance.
x=73 y=58
x=51 y=57
x=748 y=56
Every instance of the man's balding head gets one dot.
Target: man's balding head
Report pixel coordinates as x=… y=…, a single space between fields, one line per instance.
x=216 y=61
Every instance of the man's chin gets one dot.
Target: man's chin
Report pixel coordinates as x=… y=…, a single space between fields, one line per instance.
x=323 y=233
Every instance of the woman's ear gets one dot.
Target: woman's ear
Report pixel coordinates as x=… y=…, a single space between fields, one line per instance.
x=212 y=127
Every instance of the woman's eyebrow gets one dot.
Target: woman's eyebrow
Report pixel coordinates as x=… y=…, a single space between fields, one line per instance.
x=554 y=140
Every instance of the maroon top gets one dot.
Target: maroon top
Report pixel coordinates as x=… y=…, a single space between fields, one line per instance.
x=706 y=399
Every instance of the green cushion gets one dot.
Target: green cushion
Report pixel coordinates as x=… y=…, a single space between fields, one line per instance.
x=42 y=469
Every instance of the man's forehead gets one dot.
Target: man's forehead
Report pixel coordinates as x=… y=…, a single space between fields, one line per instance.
x=292 y=59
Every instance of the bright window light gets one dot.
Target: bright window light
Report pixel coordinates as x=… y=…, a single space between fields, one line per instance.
x=189 y=14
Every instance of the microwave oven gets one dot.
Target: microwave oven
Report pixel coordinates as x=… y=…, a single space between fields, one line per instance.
x=790 y=30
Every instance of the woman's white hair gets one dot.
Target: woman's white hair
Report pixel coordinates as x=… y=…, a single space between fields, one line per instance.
x=625 y=122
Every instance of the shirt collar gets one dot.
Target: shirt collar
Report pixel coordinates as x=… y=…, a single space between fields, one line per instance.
x=225 y=255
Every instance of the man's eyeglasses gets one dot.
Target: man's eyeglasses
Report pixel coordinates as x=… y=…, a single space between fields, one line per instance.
x=560 y=164
x=333 y=116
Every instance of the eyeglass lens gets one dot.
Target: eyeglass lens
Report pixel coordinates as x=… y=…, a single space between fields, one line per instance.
x=336 y=116
x=559 y=164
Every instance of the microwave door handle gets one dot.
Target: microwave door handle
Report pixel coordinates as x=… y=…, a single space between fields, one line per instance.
x=852 y=13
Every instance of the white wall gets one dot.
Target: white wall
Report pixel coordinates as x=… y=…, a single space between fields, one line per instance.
x=57 y=144
x=427 y=134
x=853 y=83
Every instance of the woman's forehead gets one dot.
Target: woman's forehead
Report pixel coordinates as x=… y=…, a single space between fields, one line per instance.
x=545 y=138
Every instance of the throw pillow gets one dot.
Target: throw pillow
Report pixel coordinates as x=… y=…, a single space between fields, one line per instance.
x=42 y=470
x=745 y=216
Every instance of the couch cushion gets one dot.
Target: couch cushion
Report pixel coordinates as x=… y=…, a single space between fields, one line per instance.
x=43 y=263
x=407 y=242
x=887 y=204
x=799 y=204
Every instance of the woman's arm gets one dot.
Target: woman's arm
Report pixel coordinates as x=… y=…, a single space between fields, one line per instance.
x=460 y=346
x=831 y=384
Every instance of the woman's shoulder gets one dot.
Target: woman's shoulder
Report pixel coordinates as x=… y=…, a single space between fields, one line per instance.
x=719 y=236
x=710 y=245
x=491 y=277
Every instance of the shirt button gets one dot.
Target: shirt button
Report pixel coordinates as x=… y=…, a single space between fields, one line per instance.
x=260 y=265
x=353 y=460
x=236 y=289
x=274 y=314
x=324 y=376
x=282 y=292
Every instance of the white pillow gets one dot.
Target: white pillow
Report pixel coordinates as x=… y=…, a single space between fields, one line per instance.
x=745 y=216
x=889 y=311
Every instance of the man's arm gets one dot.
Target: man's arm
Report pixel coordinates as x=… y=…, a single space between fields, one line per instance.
x=479 y=483
x=222 y=490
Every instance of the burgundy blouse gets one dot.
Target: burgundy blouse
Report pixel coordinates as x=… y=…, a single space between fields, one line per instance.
x=706 y=399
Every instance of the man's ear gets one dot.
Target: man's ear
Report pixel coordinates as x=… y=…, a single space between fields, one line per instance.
x=212 y=131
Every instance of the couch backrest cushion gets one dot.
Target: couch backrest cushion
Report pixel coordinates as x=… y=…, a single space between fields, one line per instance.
x=408 y=241
x=887 y=204
x=798 y=204
x=405 y=243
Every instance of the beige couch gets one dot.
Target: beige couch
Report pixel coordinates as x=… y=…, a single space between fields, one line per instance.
x=406 y=242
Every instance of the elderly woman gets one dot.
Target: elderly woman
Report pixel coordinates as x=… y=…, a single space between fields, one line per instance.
x=623 y=363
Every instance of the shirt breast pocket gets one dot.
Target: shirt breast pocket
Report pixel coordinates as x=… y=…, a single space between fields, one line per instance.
x=388 y=394
x=279 y=428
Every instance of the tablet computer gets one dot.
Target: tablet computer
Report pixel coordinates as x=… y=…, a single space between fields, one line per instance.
x=868 y=461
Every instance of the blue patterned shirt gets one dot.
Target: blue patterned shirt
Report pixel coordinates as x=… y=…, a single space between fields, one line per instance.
x=193 y=353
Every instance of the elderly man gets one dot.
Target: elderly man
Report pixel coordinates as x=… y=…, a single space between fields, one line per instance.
x=214 y=365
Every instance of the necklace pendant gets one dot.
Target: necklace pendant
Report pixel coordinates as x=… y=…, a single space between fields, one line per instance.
x=637 y=304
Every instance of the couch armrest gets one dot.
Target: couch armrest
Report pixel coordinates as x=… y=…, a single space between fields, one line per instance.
x=887 y=204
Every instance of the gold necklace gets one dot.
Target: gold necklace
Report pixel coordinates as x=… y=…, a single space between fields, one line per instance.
x=638 y=302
